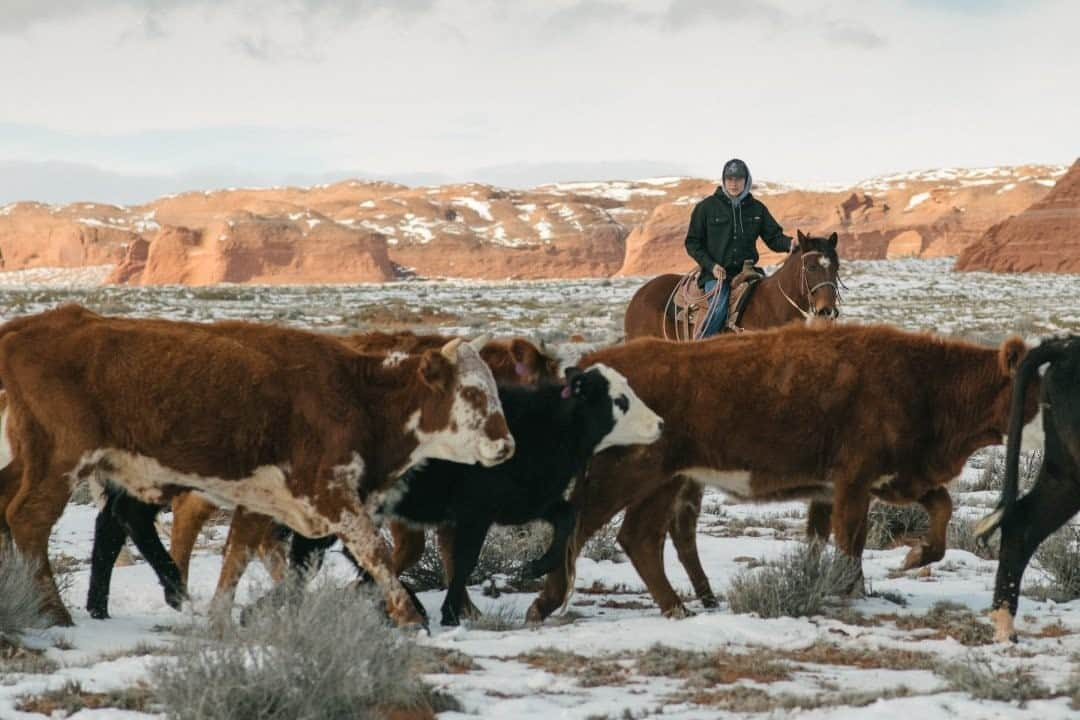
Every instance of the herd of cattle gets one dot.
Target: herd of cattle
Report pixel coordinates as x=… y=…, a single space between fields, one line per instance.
x=312 y=437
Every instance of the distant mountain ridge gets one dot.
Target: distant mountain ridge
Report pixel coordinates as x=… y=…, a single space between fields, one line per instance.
x=373 y=231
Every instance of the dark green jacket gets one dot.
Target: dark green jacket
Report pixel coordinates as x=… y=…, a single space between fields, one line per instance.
x=725 y=233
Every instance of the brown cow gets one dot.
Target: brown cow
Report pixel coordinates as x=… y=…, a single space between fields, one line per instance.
x=842 y=413
x=289 y=423
x=512 y=361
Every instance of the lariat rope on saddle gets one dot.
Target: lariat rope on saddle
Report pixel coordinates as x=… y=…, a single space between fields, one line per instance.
x=687 y=287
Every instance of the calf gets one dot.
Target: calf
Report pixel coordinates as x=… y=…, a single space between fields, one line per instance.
x=1055 y=497
x=289 y=423
x=512 y=360
x=840 y=413
x=557 y=431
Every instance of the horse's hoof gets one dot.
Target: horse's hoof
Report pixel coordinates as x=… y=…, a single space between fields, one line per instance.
x=534 y=616
x=98 y=613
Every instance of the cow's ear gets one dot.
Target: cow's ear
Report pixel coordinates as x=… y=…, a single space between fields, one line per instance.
x=832 y=240
x=436 y=371
x=799 y=236
x=525 y=357
x=1010 y=354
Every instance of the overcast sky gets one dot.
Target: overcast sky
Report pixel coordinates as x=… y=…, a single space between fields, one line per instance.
x=114 y=99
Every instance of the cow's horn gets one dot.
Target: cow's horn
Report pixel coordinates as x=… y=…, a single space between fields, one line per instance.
x=449 y=350
x=480 y=341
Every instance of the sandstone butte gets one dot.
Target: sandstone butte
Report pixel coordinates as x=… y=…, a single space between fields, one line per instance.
x=1043 y=238
x=356 y=231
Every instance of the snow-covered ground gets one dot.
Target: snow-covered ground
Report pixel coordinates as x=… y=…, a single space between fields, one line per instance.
x=590 y=665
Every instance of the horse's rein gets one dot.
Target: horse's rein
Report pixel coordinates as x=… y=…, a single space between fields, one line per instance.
x=809 y=291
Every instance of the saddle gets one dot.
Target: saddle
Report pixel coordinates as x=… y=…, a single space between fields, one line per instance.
x=689 y=305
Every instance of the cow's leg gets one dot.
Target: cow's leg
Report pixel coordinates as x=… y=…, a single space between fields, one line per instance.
x=818 y=520
x=642 y=537
x=851 y=504
x=595 y=508
x=271 y=549
x=444 y=535
x=408 y=546
x=468 y=540
x=361 y=537
x=9 y=485
x=307 y=554
x=561 y=516
x=37 y=505
x=190 y=512
x=939 y=505
x=683 y=531
x=109 y=537
x=138 y=519
x=244 y=533
x=1053 y=499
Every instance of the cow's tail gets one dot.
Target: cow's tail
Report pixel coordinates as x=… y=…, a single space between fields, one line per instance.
x=1048 y=351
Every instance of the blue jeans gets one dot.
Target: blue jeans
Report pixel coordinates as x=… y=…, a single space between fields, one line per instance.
x=718 y=306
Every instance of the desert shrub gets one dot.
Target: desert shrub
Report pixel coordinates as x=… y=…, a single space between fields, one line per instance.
x=1059 y=557
x=977 y=677
x=795 y=585
x=961 y=535
x=604 y=545
x=891 y=524
x=21 y=601
x=505 y=552
x=327 y=652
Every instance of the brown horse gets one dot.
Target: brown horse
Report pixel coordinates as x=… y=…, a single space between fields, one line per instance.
x=805 y=286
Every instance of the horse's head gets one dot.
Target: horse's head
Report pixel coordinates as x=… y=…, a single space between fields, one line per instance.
x=820 y=269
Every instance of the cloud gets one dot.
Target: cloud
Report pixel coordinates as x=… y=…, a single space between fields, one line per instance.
x=682 y=14
x=587 y=12
x=19 y=15
x=856 y=36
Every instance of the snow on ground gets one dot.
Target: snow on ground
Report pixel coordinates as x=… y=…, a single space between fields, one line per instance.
x=613 y=620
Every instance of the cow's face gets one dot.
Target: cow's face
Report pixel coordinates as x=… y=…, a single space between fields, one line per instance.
x=520 y=362
x=463 y=420
x=614 y=414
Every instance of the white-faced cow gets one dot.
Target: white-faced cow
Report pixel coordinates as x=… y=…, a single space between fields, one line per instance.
x=843 y=413
x=288 y=423
x=1055 y=497
x=512 y=361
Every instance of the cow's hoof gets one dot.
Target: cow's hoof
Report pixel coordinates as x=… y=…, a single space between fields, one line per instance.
x=534 y=616
x=710 y=601
x=98 y=613
x=60 y=616
x=175 y=599
x=1004 y=629
x=679 y=612
x=450 y=620
x=921 y=555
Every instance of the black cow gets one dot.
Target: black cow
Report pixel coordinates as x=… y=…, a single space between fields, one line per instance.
x=557 y=429
x=1055 y=497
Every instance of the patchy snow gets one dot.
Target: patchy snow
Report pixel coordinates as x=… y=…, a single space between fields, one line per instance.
x=54 y=277
x=619 y=618
x=1006 y=188
x=6 y=210
x=916 y=200
x=543 y=229
x=480 y=207
x=418 y=228
x=368 y=204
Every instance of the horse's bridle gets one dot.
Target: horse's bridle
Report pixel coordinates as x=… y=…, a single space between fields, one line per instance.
x=809 y=291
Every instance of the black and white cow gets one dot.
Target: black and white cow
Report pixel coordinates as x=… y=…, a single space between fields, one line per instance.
x=557 y=429
x=1055 y=497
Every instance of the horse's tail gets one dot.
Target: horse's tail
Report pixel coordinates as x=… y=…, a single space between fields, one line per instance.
x=1048 y=351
